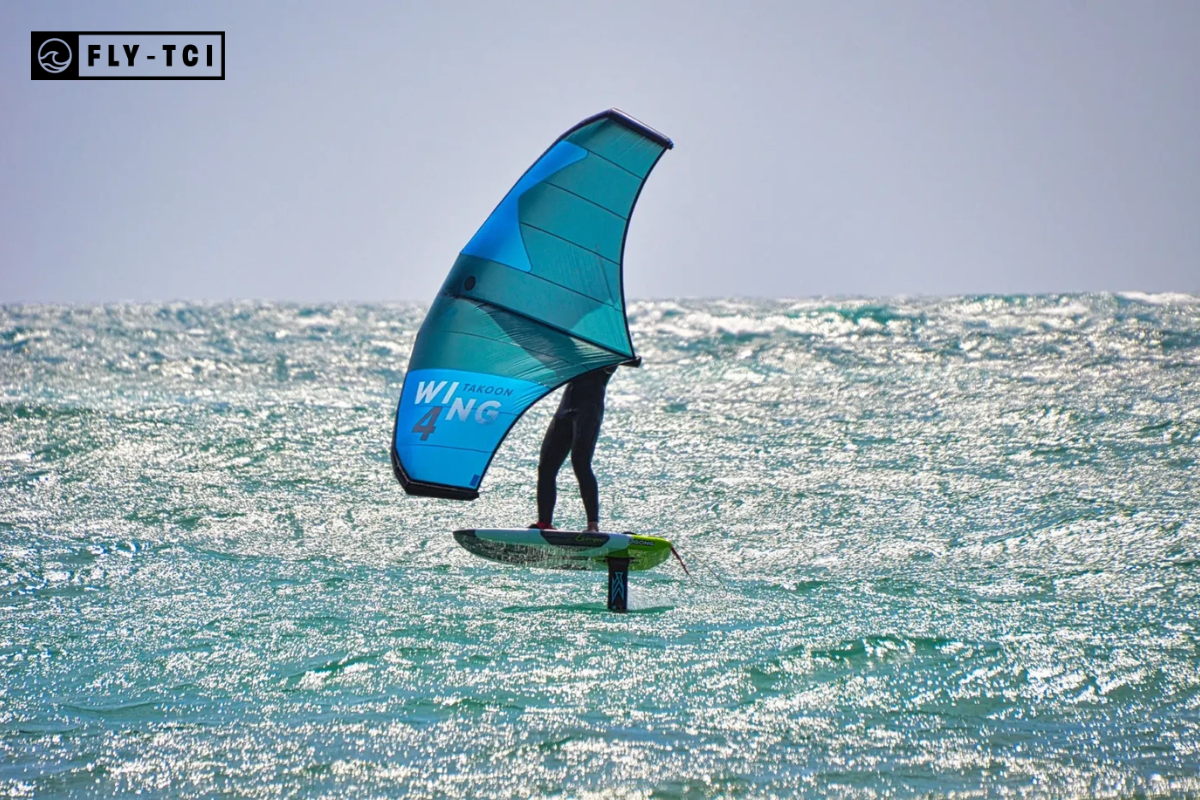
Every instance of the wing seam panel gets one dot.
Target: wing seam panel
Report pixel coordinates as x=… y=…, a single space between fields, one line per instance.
x=615 y=164
x=562 y=286
x=523 y=348
x=545 y=324
x=549 y=182
x=568 y=241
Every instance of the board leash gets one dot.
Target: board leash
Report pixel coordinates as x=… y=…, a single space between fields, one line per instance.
x=707 y=569
x=675 y=553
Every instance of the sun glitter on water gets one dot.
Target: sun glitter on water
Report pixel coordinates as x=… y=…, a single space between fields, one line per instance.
x=957 y=536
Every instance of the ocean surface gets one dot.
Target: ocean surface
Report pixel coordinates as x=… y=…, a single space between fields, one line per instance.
x=938 y=547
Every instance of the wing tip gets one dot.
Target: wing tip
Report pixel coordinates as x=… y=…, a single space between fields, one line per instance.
x=621 y=118
x=421 y=489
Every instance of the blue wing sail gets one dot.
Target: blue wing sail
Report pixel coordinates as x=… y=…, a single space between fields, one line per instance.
x=535 y=299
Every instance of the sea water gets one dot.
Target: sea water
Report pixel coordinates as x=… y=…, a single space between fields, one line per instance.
x=938 y=546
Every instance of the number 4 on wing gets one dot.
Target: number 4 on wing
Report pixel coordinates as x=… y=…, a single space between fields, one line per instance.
x=425 y=425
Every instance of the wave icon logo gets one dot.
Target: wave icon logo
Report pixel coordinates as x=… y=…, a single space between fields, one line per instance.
x=54 y=55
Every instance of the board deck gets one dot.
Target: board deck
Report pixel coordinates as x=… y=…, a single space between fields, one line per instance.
x=553 y=549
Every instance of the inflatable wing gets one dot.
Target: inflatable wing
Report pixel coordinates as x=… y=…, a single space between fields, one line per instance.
x=534 y=300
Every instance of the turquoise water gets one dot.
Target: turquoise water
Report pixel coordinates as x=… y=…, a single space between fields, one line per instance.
x=958 y=538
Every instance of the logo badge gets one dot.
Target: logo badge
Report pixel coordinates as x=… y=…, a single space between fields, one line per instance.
x=54 y=55
x=127 y=55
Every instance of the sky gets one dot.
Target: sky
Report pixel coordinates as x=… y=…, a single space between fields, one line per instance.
x=822 y=148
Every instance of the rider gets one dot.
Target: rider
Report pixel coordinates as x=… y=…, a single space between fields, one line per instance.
x=574 y=429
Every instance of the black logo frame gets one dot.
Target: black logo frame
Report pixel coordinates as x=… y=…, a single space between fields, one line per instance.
x=71 y=73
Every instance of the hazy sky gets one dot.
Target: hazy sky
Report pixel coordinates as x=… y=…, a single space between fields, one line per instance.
x=870 y=148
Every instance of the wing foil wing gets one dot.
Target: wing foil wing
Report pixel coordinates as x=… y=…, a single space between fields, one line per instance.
x=535 y=299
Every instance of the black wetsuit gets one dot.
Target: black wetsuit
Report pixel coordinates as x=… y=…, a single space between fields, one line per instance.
x=574 y=429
